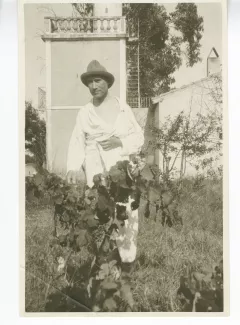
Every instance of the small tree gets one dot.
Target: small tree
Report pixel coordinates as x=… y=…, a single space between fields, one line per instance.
x=191 y=138
x=35 y=136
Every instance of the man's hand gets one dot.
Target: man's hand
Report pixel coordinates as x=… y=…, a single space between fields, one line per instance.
x=111 y=143
x=75 y=177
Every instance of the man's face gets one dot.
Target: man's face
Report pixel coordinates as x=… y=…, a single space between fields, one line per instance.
x=98 y=87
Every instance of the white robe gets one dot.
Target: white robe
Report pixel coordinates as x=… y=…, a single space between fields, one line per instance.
x=90 y=129
x=85 y=149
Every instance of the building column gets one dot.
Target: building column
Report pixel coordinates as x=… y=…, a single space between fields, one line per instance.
x=49 y=158
x=157 y=153
x=123 y=70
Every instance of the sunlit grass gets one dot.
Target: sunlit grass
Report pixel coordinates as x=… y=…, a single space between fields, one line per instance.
x=164 y=254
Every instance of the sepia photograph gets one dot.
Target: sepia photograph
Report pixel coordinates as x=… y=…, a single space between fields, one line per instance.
x=123 y=112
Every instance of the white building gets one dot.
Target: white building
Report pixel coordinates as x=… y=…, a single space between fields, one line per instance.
x=200 y=97
x=71 y=43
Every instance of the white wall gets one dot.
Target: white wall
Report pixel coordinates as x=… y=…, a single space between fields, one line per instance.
x=108 y=9
x=193 y=99
x=69 y=60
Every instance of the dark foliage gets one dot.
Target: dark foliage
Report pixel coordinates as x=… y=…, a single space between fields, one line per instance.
x=35 y=136
x=202 y=292
x=91 y=218
x=160 y=49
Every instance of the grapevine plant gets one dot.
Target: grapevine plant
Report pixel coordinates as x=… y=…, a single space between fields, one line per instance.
x=202 y=291
x=90 y=218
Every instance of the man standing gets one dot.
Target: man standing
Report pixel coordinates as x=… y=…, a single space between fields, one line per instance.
x=106 y=132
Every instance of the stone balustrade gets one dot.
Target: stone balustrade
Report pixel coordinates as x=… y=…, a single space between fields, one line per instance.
x=85 y=26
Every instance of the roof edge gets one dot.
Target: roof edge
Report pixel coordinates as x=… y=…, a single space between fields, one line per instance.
x=157 y=99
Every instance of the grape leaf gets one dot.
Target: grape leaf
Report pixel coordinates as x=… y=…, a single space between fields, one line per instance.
x=126 y=294
x=54 y=241
x=58 y=199
x=41 y=187
x=109 y=305
x=92 y=222
x=30 y=196
x=103 y=216
x=81 y=239
x=97 y=180
x=121 y=212
x=77 y=231
x=112 y=263
x=118 y=223
x=153 y=194
x=167 y=198
x=114 y=235
x=92 y=194
x=123 y=164
x=147 y=210
x=103 y=203
x=104 y=271
x=146 y=173
x=87 y=201
x=115 y=174
x=38 y=179
x=65 y=216
x=87 y=214
x=115 y=272
x=71 y=236
x=105 y=245
x=108 y=284
x=80 y=217
x=62 y=240
x=71 y=197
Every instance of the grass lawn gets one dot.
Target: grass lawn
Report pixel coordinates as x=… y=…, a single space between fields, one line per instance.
x=164 y=254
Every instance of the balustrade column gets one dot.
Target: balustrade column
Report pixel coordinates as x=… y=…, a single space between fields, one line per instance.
x=115 y=25
x=108 y=25
x=94 y=25
x=81 y=26
x=89 y=26
x=101 y=27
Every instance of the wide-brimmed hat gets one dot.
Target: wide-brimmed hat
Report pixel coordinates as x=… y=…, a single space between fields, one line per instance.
x=95 y=69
